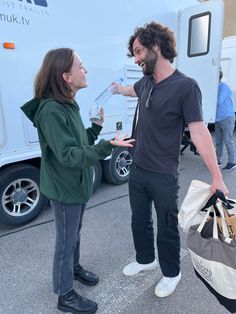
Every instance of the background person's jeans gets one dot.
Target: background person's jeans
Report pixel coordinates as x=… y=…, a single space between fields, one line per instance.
x=68 y=222
x=224 y=135
x=145 y=187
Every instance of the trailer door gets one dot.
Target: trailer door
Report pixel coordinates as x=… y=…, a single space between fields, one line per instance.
x=199 y=40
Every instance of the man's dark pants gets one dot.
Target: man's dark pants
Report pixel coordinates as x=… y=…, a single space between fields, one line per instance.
x=145 y=187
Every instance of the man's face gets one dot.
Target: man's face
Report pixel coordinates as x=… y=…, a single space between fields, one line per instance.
x=144 y=57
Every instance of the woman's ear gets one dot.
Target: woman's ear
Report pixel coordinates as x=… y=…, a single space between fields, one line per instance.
x=66 y=77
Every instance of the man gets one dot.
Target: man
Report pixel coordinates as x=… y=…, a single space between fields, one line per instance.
x=167 y=101
x=225 y=124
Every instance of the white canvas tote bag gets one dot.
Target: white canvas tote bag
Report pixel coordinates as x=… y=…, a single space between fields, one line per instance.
x=196 y=198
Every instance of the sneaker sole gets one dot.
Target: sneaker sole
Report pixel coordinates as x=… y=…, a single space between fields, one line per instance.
x=69 y=310
x=229 y=169
x=141 y=271
x=163 y=295
x=86 y=282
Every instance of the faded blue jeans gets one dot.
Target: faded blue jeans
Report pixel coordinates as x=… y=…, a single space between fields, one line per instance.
x=224 y=130
x=68 y=222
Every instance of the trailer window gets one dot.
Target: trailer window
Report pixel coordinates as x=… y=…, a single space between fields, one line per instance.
x=199 y=34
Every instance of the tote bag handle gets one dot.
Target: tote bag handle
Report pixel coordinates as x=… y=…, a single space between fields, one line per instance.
x=228 y=204
x=215 y=229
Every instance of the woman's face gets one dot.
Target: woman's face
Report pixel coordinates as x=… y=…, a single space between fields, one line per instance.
x=76 y=78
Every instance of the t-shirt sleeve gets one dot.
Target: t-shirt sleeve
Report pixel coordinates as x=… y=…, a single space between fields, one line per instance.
x=139 y=85
x=192 y=103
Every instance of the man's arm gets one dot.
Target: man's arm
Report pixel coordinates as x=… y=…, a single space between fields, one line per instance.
x=124 y=90
x=201 y=138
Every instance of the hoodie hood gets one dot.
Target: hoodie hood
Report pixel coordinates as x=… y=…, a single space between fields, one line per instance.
x=32 y=109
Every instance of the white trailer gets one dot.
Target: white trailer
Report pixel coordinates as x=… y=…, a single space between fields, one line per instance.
x=99 y=31
x=228 y=63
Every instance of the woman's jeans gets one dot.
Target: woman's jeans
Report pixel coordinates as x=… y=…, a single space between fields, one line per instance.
x=68 y=222
x=224 y=135
x=145 y=187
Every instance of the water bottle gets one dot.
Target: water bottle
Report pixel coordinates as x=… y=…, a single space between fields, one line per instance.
x=100 y=101
x=107 y=93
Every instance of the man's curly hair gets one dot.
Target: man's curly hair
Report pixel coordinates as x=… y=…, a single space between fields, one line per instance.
x=155 y=34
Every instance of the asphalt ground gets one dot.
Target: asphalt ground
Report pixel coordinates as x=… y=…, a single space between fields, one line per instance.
x=26 y=255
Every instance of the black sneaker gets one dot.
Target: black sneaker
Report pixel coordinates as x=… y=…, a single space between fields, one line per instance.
x=219 y=163
x=229 y=167
x=74 y=303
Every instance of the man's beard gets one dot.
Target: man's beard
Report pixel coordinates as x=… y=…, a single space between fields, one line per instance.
x=150 y=63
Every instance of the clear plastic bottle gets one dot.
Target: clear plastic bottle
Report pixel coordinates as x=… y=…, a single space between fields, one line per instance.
x=107 y=93
x=94 y=113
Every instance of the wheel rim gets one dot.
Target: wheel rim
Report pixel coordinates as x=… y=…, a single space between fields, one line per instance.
x=20 y=197
x=123 y=163
x=94 y=175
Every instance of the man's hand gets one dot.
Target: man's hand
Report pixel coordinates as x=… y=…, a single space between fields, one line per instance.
x=124 y=90
x=218 y=184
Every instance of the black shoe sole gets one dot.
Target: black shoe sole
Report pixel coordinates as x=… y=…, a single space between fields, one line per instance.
x=87 y=283
x=69 y=310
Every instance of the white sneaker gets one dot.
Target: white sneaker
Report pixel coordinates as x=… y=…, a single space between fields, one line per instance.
x=135 y=268
x=167 y=285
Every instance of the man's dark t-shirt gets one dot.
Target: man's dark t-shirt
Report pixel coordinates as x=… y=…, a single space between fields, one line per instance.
x=165 y=108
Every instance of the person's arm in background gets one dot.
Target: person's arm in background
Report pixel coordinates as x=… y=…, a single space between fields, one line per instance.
x=201 y=138
x=124 y=90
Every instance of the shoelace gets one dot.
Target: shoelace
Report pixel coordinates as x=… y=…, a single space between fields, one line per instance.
x=78 y=297
x=74 y=296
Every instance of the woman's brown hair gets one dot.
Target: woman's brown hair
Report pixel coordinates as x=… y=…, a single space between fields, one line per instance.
x=49 y=82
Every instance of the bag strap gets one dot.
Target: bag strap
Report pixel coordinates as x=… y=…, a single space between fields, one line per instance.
x=204 y=220
x=135 y=120
x=200 y=227
x=215 y=229
x=220 y=209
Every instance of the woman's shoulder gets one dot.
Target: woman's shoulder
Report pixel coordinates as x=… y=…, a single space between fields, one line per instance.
x=52 y=105
x=51 y=109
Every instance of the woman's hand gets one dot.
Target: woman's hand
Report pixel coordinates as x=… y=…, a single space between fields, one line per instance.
x=122 y=142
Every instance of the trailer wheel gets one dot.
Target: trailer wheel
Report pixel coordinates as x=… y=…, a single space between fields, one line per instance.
x=116 y=170
x=97 y=175
x=21 y=200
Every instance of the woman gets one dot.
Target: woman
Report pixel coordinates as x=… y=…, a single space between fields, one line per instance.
x=68 y=152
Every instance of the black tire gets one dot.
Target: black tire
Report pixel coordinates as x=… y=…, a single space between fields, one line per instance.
x=116 y=169
x=20 y=198
x=97 y=175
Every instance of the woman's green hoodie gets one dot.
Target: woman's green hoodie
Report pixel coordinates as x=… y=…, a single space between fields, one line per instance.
x=68 y=150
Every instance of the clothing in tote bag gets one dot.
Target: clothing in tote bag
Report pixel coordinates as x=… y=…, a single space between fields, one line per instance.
x=230 y=219
x=214 y=257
